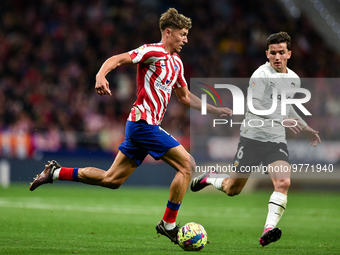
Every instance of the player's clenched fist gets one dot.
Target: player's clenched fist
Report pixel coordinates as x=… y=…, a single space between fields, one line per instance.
x=102 y=86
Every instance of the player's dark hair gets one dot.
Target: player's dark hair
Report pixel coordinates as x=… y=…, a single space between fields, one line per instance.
x=279 y=38
x=172 y=19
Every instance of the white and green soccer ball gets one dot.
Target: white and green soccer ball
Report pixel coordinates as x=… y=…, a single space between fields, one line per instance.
x=192 y=237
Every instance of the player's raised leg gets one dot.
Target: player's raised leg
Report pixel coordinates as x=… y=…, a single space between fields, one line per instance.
x=280 y=174
x=120 y=170
x=231 y=185
x=182 y=161
x=113 y=178
x=211 y=177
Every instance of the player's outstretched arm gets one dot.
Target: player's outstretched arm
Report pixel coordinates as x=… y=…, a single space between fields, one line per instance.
x=102 y=85
x=188 y=99
x=312 y=134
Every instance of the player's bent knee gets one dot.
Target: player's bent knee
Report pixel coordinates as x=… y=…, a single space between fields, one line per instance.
x=187 y=173
x=282 y=185
x=186 y=168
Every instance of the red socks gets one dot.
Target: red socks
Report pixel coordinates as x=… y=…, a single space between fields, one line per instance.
x=171 y=211
x=68 y=174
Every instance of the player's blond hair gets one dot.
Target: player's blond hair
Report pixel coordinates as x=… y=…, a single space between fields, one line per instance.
x=279 y=38
x=172 y=19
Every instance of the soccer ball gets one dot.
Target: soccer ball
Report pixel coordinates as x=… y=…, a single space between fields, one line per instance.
x=192 y=237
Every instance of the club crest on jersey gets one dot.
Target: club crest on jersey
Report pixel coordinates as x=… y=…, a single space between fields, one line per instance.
x=176 y=68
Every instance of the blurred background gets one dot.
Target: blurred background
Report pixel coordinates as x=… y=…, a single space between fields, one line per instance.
x=50 y=52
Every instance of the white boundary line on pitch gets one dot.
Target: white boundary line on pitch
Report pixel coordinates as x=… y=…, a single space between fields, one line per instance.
x=101 y=209
x=205 y=211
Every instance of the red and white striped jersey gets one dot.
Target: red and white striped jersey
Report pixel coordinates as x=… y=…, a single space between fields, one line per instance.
x=158 y=72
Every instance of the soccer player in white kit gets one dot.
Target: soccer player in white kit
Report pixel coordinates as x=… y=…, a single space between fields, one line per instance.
x=263 y=137
x=159 y=71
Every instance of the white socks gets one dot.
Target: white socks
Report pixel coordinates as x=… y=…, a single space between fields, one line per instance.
x=56 y=174
x=276 y=207
x=216 y=180
x=168 y=225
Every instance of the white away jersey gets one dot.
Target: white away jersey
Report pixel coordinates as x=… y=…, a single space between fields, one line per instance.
x=262 y=83
x=158 y=72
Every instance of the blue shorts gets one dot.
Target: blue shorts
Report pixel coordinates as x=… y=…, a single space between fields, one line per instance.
x=142 y=139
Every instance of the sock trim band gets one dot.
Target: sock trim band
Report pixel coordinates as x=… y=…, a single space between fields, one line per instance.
x=277 y=205
x=75 y=174
x=173 y=206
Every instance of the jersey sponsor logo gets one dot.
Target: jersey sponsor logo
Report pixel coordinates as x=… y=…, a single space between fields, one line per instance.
x=163 y=87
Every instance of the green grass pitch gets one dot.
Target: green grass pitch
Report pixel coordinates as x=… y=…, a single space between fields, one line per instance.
x=65 y=218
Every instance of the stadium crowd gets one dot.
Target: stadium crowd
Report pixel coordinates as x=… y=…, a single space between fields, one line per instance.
x=50 y=52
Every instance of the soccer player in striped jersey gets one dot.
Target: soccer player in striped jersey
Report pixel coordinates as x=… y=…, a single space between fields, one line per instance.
x=266 y=143
x=159 y=71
